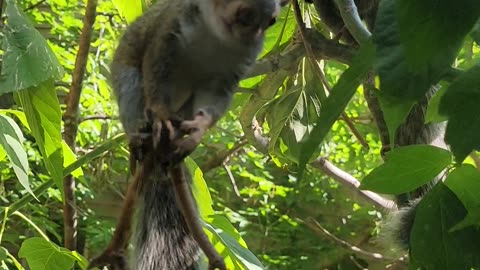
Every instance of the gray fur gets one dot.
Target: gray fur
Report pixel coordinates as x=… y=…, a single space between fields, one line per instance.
x=186 y=58
x=162 y=239
x=414 y=131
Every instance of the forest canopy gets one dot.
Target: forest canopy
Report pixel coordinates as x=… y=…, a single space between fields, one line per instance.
x=353 y=110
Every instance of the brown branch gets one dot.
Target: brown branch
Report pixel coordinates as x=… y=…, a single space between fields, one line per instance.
x=95 y=117
x=352 y=184
x=320 y=230
x=220 y=156
x=71 y=122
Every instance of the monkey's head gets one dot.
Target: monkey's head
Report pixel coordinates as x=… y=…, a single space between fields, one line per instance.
x=243 y=21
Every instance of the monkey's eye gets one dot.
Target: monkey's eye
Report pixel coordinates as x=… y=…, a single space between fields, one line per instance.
x=245 y=16
x=272 y=21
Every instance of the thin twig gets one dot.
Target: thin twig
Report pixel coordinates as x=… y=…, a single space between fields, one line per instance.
x=35 y=5
x=95 y=117
x=232 y=180
x=319 y=229
x=351 y=183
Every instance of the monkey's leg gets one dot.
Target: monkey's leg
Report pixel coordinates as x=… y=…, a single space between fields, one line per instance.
x=114 y=254
x=189 y=210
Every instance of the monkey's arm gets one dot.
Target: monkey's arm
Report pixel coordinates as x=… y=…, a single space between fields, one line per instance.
x=208 y=106
x=189 y=211
x=158 y=67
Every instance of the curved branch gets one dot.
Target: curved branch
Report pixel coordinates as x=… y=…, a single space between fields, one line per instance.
x=319 y=229
x=351 y=18
x=352 y=184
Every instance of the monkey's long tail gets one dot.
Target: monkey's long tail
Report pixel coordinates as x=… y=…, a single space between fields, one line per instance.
x=162 y=240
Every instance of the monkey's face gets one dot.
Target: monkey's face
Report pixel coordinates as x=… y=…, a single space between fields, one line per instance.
x=245 y=21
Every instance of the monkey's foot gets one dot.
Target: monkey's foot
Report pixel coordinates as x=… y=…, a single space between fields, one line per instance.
x=114 y=261
x=195 y=129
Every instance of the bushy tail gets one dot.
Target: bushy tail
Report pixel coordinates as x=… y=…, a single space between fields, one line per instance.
x=414 y=131
x=162 y=240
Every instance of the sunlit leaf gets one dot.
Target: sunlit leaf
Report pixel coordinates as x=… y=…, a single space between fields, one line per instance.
x=44 y=255
x=28 y=60
x=42 y=109
x=11 y=140
x=129 y=9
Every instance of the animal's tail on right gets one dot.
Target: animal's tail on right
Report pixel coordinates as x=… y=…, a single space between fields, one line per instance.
x=162 y=240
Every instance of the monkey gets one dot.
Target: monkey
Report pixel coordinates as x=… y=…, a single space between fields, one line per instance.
x=181 y=59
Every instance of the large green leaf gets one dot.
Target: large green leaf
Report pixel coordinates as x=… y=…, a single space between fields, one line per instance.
x=465 y=183
x=433 y=244
x=336 y=102
x=417 y=41
x=42 y=254
x=11 y=139
x=460 y=104
x=129 y=9
x=407 y=168
x=220 y=231
x=42 y=109
x=27 y=58
x=236 y=255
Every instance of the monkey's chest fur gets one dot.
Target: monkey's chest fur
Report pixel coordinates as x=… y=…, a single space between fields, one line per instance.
x=205 y=65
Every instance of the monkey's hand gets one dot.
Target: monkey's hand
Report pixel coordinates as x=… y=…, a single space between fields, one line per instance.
x=195 y=129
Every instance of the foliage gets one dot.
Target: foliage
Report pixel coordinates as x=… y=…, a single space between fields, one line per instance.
x=262 y=182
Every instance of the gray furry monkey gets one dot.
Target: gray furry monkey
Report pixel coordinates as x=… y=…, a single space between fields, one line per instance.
x=181 y=60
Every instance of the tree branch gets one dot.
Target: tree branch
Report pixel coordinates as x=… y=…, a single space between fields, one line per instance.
x=352 y=20
x=352 y=184
x=320 y=230
x=71 y=122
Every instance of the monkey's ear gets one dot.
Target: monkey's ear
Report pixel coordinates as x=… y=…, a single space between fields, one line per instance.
x=284 y=2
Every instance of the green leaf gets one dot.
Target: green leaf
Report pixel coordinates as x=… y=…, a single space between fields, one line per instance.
x=336 y=102
x=460 y=104
x=44 y=255
x=433 y=244
x=476 y=32
x=68 y=158
x=236 y=255
x=27 y=60
x=11 y=139
x=464 y=181
x=291 y=117
x=225 y=238
x=411 y=39
x=395 y=111
x=42 y=109
x=129 y=9
x=433 y=114
x=407 y=168
x=200 y=189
